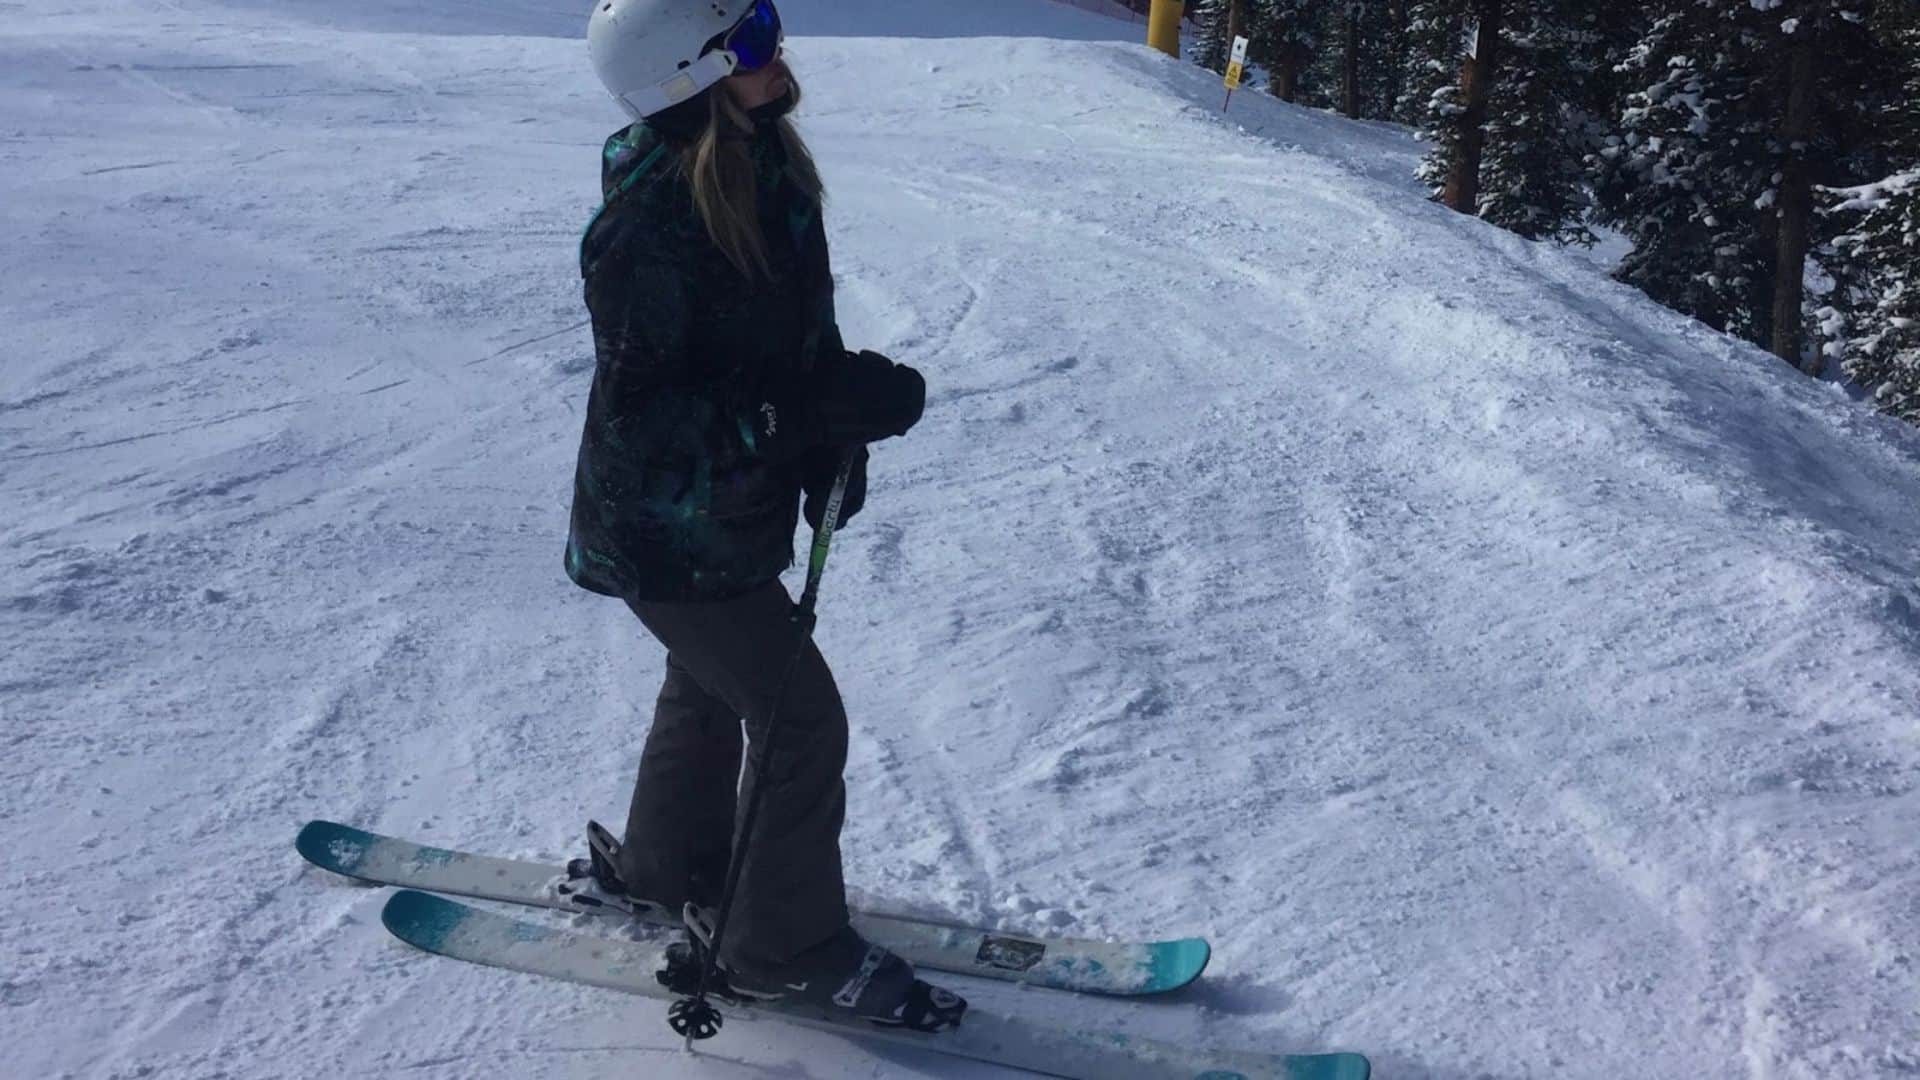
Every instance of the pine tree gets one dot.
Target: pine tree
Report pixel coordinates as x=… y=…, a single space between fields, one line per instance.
x=1601 y=37
x=1437 y=105
x=1875 y=259
x=1463 y=45
x=1286 y=36
x=1387 y=76
x=1539 y=136
x=1504 y=93
x=1742 y=107
x=1430 y=70
x=1689 y=176
x=1349 y=16
x=1877 y=297
x=1360 y=69
x=1211 y=43
x=1824 y=61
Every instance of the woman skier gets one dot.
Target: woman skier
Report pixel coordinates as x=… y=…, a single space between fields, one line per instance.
x=722 y=394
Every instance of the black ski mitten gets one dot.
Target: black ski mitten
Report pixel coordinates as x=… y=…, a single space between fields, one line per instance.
x=862 y=399
x=867 y=398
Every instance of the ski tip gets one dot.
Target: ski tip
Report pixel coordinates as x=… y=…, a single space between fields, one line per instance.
x=332 y=846
x=1333 y=1067
x=1177 y=964
x=421 y=919
x=1304 y=1067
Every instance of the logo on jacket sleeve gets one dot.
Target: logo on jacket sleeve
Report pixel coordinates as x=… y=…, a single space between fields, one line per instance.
x=770 y=417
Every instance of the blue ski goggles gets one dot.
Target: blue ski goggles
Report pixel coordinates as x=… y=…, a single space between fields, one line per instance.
x=755 y=40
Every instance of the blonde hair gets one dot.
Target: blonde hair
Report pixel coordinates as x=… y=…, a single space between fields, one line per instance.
x=719 y=165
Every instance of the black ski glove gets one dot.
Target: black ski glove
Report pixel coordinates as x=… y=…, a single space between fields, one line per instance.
x=867 y=398
x=818 y=472
x=863 y=398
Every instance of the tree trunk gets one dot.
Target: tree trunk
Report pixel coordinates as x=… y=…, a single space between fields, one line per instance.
x=1396 y=57
x=1462 y=192
x=1352 y=88
x=1286 y=82
x=1236 y=21
x=1795 y=202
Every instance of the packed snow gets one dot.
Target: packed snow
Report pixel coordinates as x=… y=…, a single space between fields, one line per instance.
x=1511 y=677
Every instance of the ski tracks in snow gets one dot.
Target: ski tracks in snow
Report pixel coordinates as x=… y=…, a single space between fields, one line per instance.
x=1438 y=613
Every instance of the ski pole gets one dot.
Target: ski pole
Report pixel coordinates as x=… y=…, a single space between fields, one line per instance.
x=695 y=1017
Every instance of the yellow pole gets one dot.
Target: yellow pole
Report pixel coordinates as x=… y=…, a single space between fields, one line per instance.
x=1163 y=26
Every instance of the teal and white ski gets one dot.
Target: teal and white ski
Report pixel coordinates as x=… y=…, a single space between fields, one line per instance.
x=453 y=929
x=1096 y=967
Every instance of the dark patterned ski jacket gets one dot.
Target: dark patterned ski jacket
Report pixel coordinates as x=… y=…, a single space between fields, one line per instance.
x=675 y=499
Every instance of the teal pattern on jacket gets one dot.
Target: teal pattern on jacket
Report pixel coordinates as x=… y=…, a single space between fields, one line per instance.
x=673 y=498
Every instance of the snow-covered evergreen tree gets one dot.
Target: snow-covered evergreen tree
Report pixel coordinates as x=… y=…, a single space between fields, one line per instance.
x=1878 y=291
x=1741 y=107
x=1518 y=159
x=1533 y=169
x=1431 y=55
x=1438 y=105
x=1689 y=178
x=1874 y=315
x=1362 y=44
x=1286 y=36
x=1213 y=41
x=1387 y=80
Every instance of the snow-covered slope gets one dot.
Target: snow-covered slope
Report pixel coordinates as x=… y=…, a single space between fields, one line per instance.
x=1513 y=678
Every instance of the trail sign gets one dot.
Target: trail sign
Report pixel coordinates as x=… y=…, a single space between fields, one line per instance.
x=1236 y=68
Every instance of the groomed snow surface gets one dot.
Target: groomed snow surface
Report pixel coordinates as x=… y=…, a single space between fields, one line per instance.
x=1512 y=678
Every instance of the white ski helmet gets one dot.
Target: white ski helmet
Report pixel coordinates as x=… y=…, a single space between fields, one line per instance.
x=647 y=52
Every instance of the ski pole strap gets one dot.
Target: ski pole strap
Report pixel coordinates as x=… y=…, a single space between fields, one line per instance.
x=823 y=537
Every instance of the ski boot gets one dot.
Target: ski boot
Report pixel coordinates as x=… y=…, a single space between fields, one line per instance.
x=844 y=974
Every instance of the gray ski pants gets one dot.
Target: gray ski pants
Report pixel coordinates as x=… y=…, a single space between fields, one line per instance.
x=724 y=659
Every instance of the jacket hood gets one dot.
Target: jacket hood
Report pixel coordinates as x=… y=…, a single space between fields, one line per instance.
x=628 y=151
